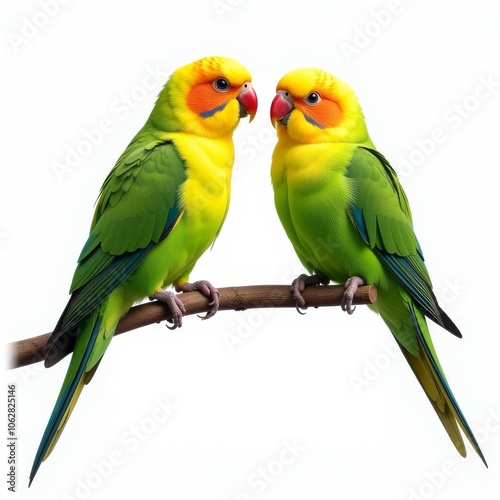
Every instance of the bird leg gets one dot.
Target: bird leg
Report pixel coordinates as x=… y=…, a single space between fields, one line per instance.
x=299 y=285
x=175 y=305
x=350 y=287
x=207 y=289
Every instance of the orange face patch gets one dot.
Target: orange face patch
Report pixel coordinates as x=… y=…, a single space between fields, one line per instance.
x=326 y=114
x=204 y=100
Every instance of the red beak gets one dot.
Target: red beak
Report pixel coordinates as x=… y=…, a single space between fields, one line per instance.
x=280 y=108
x=248 y=101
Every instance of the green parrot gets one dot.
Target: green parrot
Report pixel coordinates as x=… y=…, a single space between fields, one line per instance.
x=161 y=206
x=348 y=218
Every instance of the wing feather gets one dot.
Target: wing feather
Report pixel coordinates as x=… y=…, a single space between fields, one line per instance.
x=381 y=214
x=138 y=206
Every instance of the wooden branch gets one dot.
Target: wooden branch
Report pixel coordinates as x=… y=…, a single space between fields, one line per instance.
x=28 y=351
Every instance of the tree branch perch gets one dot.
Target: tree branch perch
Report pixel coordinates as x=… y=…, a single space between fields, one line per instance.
x=28 y=351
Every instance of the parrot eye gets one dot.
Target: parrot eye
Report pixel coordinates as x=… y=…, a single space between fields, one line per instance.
x=221 y=85
x=313 y=98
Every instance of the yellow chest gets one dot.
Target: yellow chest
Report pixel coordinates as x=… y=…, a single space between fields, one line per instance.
x=309 y=169
x=206 y=192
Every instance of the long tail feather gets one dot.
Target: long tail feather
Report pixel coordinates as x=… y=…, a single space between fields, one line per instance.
x=429 y=373
x=72 y=386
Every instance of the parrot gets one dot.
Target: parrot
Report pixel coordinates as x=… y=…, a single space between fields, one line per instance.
x=159 y=209
x=348 y=218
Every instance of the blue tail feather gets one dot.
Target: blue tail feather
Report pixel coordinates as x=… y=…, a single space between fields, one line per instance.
x=63 y=402
x=437 y=370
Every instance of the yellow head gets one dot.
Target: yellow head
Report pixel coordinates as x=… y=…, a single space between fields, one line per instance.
x=312 y=106
x=207 y=97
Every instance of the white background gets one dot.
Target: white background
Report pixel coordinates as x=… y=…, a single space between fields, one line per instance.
x=331 y=385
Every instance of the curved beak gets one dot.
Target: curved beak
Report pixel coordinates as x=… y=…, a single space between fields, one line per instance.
x=281 y=107
x=248 y=101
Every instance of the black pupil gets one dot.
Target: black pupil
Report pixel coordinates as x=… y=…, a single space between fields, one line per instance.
x=222 y=84
x=313 y=97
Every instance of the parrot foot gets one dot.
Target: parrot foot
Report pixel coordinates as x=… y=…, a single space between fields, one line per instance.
x=175 y=304
x=299 y=285
x=350 y=287
x=207 y=289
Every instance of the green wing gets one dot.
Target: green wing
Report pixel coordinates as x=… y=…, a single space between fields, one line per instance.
x=138 y=207
x=381 y=214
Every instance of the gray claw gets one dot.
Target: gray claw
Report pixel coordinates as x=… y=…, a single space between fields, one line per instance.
x=207 y=289
x=350 y=288
x=299 y=285
x=175 y=305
